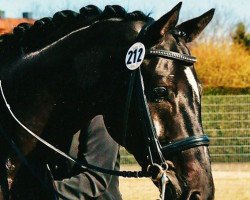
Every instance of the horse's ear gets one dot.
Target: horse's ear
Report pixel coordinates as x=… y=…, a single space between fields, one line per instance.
x=192 y=28
x=165 y=23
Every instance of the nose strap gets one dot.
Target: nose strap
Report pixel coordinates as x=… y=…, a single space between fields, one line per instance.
x=184 y=144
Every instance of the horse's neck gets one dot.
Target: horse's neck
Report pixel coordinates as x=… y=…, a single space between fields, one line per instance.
x=37 y=85
x=72 y=67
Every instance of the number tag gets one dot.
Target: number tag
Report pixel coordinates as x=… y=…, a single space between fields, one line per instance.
x=135 y=56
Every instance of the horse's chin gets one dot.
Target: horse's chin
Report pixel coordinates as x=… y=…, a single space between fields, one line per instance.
x=173 y=189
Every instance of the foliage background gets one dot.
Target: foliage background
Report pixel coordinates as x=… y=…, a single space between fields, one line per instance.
x=224 y=63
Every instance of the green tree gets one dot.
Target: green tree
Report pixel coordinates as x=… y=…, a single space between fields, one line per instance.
x=240 y=35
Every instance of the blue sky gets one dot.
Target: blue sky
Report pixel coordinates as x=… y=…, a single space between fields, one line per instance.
x=228 y=12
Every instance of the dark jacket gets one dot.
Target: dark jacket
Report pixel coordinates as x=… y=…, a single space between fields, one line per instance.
x=95 y=147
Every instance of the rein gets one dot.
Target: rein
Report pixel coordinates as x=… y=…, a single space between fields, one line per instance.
x=127 y=174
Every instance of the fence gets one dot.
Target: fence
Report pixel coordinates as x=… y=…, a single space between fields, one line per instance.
x=226 y=119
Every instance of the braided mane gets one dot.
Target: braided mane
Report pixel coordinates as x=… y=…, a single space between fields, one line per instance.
x=27 y=38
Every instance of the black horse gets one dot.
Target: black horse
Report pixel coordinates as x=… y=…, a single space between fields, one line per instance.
x=65 y=70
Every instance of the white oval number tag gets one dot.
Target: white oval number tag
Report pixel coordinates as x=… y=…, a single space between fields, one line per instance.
x=135 y=56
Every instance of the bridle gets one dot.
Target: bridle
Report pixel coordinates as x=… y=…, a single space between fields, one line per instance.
x=156 y=153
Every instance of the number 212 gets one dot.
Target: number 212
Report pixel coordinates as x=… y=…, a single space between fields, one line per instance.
x=133 y=55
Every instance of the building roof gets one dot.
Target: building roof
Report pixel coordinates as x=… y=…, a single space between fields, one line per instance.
x=7 y=24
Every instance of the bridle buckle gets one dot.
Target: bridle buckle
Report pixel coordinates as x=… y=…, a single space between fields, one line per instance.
x=156 y=171
x=158 y=174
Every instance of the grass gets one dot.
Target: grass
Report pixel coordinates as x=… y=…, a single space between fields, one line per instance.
x=232 y=182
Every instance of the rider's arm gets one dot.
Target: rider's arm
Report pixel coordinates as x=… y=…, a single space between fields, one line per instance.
x=96 y=148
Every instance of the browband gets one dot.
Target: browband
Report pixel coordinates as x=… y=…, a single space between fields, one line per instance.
x=163 y=53
x=172 y=55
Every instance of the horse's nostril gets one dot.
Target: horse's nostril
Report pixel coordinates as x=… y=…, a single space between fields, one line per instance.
x=195 y=196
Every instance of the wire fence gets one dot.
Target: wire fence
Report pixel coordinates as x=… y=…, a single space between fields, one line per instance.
x=226 y=119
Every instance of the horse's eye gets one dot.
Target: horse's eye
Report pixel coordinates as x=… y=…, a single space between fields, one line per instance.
x=159 y=94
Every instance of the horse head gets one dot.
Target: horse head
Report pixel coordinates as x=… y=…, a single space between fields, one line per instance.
x=173 y=94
